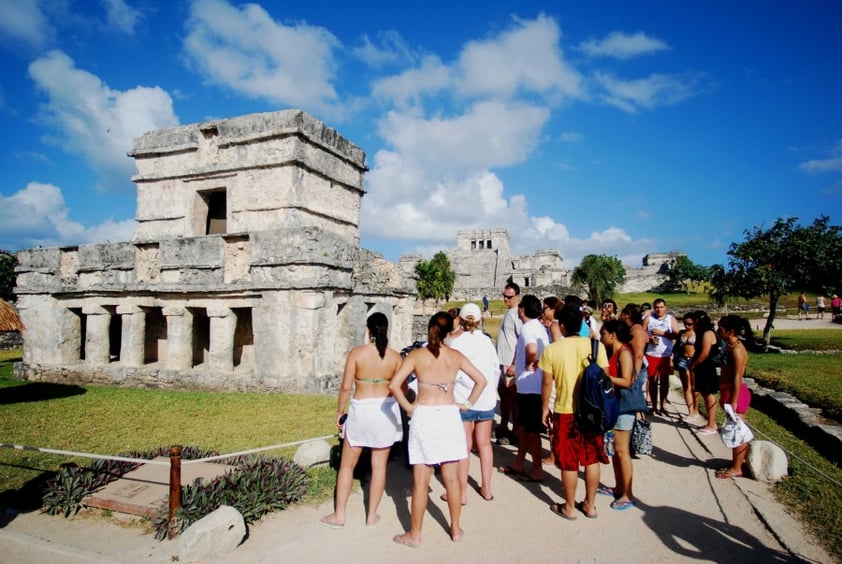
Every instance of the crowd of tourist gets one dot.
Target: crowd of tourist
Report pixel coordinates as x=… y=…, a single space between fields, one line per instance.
x=543 y=348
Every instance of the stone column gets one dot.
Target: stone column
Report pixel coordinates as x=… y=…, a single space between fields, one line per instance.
x=179 y=337
x=223 y=324
x=98 y=320
x=134 y=333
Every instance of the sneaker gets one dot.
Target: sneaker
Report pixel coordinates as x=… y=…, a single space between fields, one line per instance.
x=705 y=431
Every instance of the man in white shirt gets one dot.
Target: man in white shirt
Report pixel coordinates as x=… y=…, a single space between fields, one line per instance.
x=506 y=341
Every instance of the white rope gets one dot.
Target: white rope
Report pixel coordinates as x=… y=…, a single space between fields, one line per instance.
x=160 y=462
x=254 y=450
x=86 y=454
x=795 y=456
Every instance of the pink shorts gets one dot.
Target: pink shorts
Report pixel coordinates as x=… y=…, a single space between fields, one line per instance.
x=726 y=392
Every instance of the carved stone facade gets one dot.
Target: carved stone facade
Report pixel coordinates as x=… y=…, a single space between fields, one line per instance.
x=244 y=273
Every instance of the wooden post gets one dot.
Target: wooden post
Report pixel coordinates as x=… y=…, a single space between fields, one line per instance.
x=175 y=488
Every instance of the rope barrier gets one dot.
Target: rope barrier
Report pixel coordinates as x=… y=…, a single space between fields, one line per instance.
x=86 y=454
x=795 y=456
x=255 y=450
x=159 y=462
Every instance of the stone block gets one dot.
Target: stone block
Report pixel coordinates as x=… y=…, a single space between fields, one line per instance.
x=767 y=462
x=213 y=535
x=312 y=453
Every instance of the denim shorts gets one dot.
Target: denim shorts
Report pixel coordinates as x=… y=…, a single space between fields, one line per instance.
x=625 y=422
x=474 y=415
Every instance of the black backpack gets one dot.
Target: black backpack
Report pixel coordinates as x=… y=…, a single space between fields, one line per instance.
x=598 y=406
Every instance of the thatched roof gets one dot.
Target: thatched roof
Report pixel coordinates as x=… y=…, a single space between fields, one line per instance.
x=9 y=320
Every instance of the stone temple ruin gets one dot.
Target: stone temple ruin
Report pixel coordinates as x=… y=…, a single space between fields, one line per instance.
x=245 y=271
x=483 y=263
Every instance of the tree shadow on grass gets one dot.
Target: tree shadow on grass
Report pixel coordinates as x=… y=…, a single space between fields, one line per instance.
x=38 y=391
x=26 y=499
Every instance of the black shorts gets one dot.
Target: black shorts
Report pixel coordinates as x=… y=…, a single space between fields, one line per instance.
x=529 y=413
x=706 y=380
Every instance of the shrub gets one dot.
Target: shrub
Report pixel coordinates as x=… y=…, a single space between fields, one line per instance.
x=64 y=492
x=255 y=487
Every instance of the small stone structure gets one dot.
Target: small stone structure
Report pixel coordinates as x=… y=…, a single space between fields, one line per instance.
x=244 y=273
x=653 y=274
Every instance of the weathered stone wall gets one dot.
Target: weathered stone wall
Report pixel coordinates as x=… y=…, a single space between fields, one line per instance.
x=271 y=298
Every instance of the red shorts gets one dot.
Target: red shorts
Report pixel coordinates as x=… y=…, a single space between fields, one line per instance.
x=726 y=392
x=571 y=447
x=659 y=365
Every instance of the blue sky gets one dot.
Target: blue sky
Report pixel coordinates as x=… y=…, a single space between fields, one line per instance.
x=586 y=127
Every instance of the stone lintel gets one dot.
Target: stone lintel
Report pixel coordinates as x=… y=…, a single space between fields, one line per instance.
x=94 y=309
x=174 y=311
x=219 y=310
x=128 y=309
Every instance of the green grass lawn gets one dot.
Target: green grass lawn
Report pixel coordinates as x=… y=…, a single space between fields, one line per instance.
x=106 y=420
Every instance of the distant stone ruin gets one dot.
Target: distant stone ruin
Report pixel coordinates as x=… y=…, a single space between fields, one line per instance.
x=483 y=264
x=244 y=273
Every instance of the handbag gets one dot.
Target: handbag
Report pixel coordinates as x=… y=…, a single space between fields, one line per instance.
x=735 y=431
x=632 y=399
x=640 y=440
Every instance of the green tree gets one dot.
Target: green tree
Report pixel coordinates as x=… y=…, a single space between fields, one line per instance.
x=601 y=275
x=776 y=261
x=685 y=272
x=8 y=262
x=435 y=278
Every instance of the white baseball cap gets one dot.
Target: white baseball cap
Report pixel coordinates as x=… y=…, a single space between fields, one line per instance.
x=470 y=310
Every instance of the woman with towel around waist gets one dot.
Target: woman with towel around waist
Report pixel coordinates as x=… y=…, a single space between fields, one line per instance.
x=373 y=420
x=436 y=435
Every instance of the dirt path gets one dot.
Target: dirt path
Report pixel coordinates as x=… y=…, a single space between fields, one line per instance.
x=683 y=513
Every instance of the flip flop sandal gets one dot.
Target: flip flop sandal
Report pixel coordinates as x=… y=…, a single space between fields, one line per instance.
x=557 y=509
x=622 y=505
x=605 y=490
x=509 y=471
x=580 y=505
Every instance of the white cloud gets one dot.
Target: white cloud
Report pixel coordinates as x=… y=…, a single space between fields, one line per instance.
x=622 y=45
x=545 y=233
x=409 y=87
x=526 y=58
x=390 y=49
x=37 y=215
x=489 y=134
x=24 y=21
x=252 y=54
x=645 y=93
x=121 y=16
x=830 y=164
x=95 y=121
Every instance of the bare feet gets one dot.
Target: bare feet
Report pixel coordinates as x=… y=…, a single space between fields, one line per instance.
x=457 y=535
x=407 y=540
x=330 y=521
x=372 y=520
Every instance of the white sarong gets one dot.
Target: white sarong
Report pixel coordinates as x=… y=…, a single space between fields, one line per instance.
x=436 y=435
x=373 y=423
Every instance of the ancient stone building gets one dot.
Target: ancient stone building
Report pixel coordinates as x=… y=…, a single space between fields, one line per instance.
x=652 y=275
x=244 y=273
x=483 y=263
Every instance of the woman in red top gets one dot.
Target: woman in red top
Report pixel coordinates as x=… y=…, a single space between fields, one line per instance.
x=616 y=336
